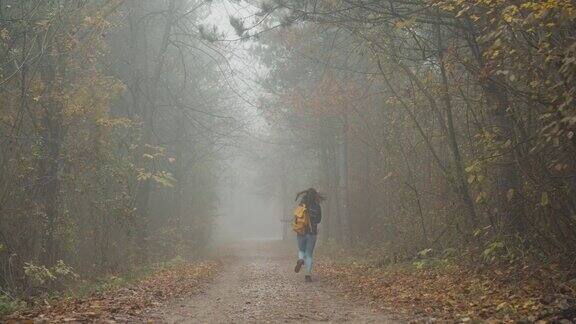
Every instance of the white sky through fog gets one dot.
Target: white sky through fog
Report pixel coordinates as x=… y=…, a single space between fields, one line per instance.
x=243 y=211
x=245 y=67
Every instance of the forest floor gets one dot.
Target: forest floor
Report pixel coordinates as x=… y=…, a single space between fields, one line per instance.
x=457 y=291
x=123 y=302
x=251 y=282
x=254 y=282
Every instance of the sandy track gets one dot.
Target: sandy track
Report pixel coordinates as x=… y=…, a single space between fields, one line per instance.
x=258 y=285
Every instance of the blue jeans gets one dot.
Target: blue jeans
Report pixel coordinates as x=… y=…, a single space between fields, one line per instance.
x=306 y=245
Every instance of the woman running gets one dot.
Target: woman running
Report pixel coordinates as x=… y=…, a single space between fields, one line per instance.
x=310 y=199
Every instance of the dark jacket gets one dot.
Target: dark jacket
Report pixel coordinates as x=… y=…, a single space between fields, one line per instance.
x=315 y=214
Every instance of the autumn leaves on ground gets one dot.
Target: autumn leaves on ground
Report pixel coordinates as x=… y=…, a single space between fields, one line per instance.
x=125 y=303
x=254 y=282
x=460 y=293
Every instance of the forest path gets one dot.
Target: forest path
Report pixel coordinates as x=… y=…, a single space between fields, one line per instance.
x=258 y=284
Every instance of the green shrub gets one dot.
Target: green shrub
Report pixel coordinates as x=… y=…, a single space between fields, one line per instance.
x=39 y=275
x=9 y=305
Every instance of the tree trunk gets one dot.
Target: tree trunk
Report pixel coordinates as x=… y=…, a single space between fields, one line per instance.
x=334 y=211
x=509 y=210
x=461 y=179
x=342 y=161
x=285 y=216
x=325 y=168
x=145 y=186
x=49 y=163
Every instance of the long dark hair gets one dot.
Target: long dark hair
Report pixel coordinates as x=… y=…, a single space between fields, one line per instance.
x=309 y=196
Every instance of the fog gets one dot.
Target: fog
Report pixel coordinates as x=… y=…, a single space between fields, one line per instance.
x=135 y=132
x=245 y=211
x=248 y=208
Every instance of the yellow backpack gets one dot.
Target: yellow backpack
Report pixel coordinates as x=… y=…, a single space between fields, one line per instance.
x=301 y=220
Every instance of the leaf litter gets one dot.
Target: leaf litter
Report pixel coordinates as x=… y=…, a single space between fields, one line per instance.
x=125 y=304
x=459 y=293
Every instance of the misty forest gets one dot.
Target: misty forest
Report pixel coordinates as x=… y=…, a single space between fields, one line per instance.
x=151 y=152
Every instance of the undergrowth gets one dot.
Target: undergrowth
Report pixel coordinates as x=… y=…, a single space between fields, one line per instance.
x=114 y=281
x=9 y=304
x=82 y=287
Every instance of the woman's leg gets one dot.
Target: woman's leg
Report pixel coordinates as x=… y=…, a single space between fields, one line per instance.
x=310 y=244
x=301 y=239
x=301 y=246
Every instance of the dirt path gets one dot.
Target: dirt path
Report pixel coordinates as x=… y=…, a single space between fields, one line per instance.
x=258 y=285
